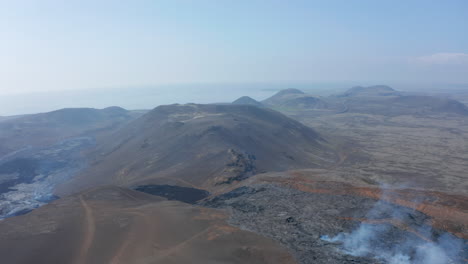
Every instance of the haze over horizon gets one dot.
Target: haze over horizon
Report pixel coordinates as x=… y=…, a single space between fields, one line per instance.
x=55 y=45
x=234 y=131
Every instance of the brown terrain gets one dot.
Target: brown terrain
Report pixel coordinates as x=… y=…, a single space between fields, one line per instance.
x=115 y=225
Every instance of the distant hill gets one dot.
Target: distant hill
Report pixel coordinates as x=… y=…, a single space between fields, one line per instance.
x=48 y=128
x=431 y=104
x=383 y=100
x=283 y=95
x=4 y=118
x=205 y=146
x=294 y=98
x=289 y=91
x=246 y=100
x=376 y=90
x=116 y=225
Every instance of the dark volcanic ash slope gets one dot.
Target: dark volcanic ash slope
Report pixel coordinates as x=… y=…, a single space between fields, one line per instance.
x=203 y=146
x=116 y=225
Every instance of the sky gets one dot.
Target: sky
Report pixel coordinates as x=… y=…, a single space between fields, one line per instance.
x=52 y=45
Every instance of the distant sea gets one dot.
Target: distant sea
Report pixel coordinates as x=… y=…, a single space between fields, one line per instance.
x=148 y=97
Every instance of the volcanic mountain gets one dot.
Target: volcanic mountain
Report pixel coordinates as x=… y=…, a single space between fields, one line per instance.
x=116 y=225
x=246 y=100
x=48 y=128
x=203 y=146
x=294 y=98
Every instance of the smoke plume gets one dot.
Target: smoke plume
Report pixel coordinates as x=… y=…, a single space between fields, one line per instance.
x=399 y=235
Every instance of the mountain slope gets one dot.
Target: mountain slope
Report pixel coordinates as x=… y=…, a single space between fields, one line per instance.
x=42 y=150
x=115 y=225
x=203 y=146
x=48 y=128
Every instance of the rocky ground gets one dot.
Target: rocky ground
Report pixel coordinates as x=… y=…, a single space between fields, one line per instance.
x=301 y=221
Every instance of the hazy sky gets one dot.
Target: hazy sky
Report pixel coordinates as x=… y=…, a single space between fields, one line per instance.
x=54 y=45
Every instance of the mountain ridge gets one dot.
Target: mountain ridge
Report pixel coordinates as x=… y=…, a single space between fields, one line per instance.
x=204 y=146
